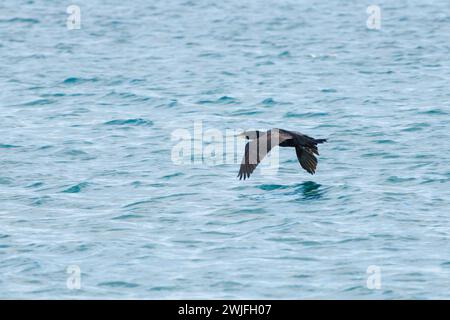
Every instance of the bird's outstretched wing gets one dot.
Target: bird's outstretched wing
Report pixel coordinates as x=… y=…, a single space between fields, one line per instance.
x=306 y=158
x=257 y=149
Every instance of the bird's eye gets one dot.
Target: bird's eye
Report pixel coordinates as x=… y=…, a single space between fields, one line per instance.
x=246 y=137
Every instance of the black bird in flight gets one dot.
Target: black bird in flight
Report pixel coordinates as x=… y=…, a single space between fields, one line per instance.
x=260 y=144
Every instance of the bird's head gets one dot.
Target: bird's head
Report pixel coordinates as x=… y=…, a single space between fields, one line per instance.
x=250 y=135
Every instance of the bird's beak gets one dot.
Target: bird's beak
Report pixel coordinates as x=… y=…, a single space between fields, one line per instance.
x=240 y=135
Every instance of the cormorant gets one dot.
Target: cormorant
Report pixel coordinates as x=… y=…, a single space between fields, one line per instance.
x=260 y=144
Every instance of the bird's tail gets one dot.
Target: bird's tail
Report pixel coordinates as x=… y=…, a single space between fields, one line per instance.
x=320 y=140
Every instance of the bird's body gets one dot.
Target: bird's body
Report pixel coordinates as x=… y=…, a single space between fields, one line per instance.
x=261 y=143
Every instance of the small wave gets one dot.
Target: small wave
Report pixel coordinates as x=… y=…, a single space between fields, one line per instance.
x=250 y=211
x=127 y=216
x=284 y=54
x=328 y=90
x=377 y=155
x=75 y=80
x=173 y=175
x=349 y=240
x=5 y=181
x=40 y=200
x=265 y=63
x=434 y=112
x=210 y=55
x=118 y=284
x=56 y=95
x=385 y=141
x=171 y=104
x=158 y=185
x=322 y=56
x=268 y=102
x=395 y=179
x=20 y=20
x=75 y=154
x=166 y=288
x=35 y=185
x=221 y=100
x=129 y=122
x=226 y=100
x=137 y=203
x=38 y=102
x=228 y=73
x=128 y=95
x=8 y=146
x=136 y=81
x=76 y=188
x=177 y=195
x=246 y=112
x=353 y=288
x=305 y=115
x=416 y=127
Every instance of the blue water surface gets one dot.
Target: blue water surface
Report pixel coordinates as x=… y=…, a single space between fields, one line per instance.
x=86 y=170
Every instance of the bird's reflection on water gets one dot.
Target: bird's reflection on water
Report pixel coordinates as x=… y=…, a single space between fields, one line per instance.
x=308 y=190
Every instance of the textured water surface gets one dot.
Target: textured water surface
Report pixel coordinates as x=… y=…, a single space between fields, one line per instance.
x=86 y=176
